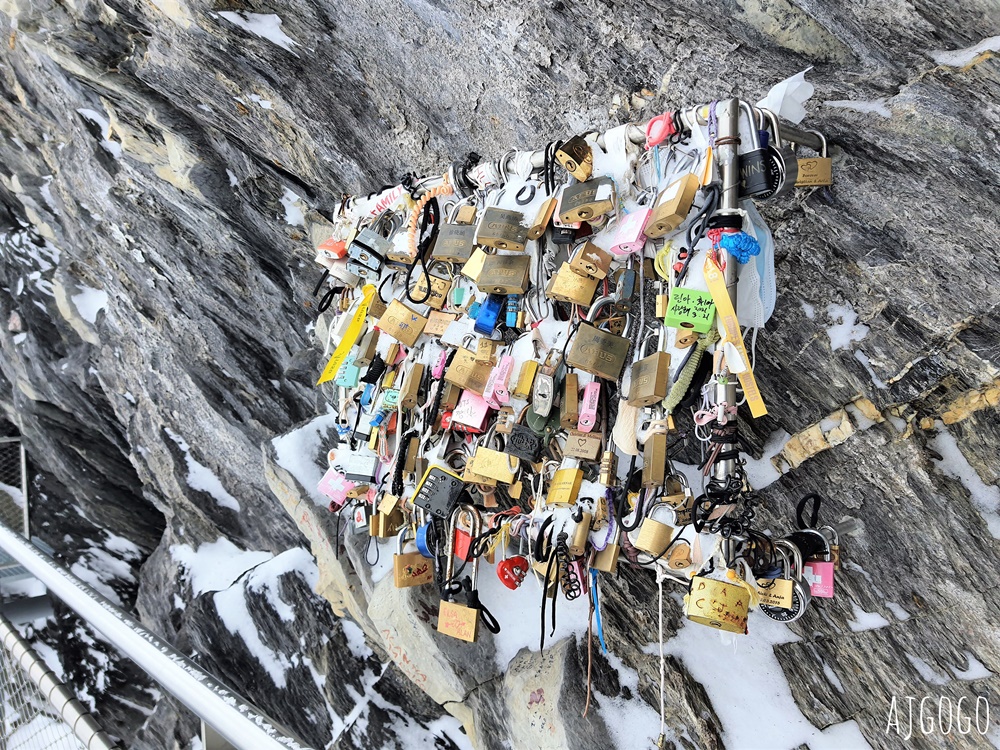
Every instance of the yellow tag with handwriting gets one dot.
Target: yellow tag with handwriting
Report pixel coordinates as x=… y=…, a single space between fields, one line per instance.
x=731 y=325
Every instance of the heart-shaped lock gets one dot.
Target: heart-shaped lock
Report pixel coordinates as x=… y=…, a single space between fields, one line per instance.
x=512 y=571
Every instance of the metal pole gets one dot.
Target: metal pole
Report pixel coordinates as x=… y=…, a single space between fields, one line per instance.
x=231 y=715
x=76 y=716
x=728 y=113
x=24 y=491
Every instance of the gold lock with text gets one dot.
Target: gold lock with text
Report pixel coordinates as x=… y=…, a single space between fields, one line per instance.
x=565 y=487
x=504 y=274
x=468 y=373
x=650 y=380
x=402 y=323
x=586 y=201
x=717 y=604
x=590 y=260
x=654 y=536
x=672 y=206
x=455 y=619
x=502 y=228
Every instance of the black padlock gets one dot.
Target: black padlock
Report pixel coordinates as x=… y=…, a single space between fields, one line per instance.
x=524 y=443
x=755 y=163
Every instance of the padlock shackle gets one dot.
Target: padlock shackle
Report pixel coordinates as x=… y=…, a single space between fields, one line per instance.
x=746 y=109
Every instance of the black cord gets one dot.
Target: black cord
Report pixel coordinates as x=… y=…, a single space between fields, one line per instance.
x=429 y=216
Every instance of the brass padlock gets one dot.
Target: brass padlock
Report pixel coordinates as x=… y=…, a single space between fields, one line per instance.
x=438 y=295
x=576 y=157
x=410 y=568
x=565 y=487
x=502 y=228
x=654 y=536
x=581 y=532
x=816 y=171
x=686 y=338
x=672 y=206
x=467 y=373
x=654 y=460
x=466 y=214
x=650 y=380
x=566 y=285
x=474 y=265
x=504 y=274
x=609 y=468
x=461 y=620
x=402 y=323
x=569 y=411
x=412 y=456
x=525 y=378
x=494 y=464
x=586 y=201
x=717 y=604
x=411 y=386
x=606 y=560
x=590 y=260
x=454 y=243
x=486 y=350
x=385 y=525
x=452 y=393
x=583 y=445
x=595 y=351
x=542 y=219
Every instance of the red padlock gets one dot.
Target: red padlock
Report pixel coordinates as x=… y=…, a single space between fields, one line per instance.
x=512 y=570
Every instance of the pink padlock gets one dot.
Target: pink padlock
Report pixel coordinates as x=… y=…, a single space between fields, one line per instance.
x=497 y=392
x=335 y=486
x=818 y=568
x=588 y=413
x=631 y=236
x=438 y=372
x=470 y=412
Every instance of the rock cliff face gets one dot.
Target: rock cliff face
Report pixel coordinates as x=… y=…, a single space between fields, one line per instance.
x=166 y=166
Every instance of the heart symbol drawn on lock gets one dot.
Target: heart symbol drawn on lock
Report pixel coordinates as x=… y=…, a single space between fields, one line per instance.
x=512 y=571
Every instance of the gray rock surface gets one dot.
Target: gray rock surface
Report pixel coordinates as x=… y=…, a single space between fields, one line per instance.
x=147 y=147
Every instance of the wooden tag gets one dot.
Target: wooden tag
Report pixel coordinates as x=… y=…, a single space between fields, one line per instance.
x=584 y=445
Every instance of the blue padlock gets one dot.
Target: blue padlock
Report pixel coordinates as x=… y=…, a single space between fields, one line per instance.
x=513 y=308
x=349 y=373
x=489 y=313
x=367 y=395
x=421 y=540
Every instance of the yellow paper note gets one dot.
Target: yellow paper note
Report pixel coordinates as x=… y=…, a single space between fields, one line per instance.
x=350 y=338
x=731 y=325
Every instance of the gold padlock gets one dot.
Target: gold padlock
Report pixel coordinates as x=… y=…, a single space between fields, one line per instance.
x=654 y=460
x=566 y=285
x=385 y=525
x=816 y=171
x=474 y=265
x=569 y=410
x=452 y=393
x=502 y=228
x=525 y=378
x=565 y=487
x=367 y=348
x=438 y=295
x=609 y=468
x=402 y=323
x=460 y=620
x=717 y=604
x=468 y=373
x=486 y=350
x=654 y=536
x=410 y=568
x=454 y=242
x=578 y=544
x=576 y=157
x=466 y=214
x=541 y=222
x=411 y=386
x=686 y=338
x=504 y=274
x=606 y=560
x=590 y=260
x=672 y=206
x=586 y=201
x=650 y=380
x=494 y=464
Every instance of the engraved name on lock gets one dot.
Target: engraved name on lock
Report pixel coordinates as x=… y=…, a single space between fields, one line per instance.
x=465 y=372
x=650 y=380
x=567 y=285
x=438 y=294
x=598 y=352
x=505 y=274
x=502 y=229
x=587 y=200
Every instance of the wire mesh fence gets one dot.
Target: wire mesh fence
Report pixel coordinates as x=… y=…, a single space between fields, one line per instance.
x=12 y=483
x=27 y=719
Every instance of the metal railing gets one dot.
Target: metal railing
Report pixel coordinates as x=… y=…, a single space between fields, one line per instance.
x=230 y=715
x=38 y=711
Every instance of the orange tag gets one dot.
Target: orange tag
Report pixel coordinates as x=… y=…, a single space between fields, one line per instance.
x=726 y=317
